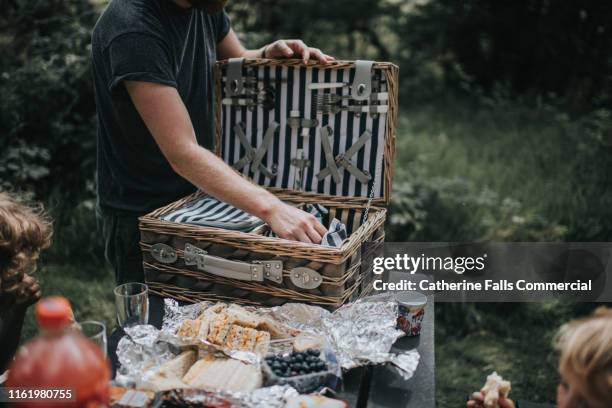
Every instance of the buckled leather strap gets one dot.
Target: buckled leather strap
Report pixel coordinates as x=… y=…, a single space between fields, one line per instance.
x=351 y=168
x=362 y=84
x=326 y=132
x=249 y=152
x=255 y=156
x=267 y=140
x=344 y=160
x=235 y=81
x=363 y=139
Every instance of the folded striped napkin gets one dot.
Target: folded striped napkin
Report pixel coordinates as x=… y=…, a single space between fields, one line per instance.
x=210 y=212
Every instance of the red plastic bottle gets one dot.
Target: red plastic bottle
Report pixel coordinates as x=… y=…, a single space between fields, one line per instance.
x=61 y=358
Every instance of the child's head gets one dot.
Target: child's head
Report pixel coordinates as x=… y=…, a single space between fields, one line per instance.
x=24 y=231
x=585 y=364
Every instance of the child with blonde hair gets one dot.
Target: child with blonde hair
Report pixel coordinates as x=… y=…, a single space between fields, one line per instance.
x=24 y=232
x=585 y=364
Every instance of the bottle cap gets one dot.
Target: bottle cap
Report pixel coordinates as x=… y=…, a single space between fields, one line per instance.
x=53 y=312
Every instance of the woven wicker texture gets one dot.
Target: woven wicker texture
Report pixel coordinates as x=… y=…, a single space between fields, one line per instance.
x=344 y=277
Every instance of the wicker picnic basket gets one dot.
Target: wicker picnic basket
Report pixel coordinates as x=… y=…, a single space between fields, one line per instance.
x=272 y=118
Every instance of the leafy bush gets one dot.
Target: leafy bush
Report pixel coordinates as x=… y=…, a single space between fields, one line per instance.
x=47 y=110
x=24 y=166
x=495 y=168
x=76 y=238
x=442 y=209
x=561 y=47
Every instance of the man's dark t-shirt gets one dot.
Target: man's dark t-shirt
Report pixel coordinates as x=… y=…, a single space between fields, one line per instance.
x=152 y=41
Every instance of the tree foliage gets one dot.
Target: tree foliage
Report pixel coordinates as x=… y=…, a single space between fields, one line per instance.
x=47 y=109
x=532 y=50
x=531 y=46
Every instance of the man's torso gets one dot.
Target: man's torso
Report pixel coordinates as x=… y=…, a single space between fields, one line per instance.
x=133 y=175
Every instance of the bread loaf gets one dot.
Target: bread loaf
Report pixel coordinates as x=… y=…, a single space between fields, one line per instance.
x=223 y=374
x=168 y=376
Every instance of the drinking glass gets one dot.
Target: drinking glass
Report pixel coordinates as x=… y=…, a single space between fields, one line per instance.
x=132 y=304
x=96 y=332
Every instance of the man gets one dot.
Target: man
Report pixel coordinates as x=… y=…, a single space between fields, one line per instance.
x=153 y=77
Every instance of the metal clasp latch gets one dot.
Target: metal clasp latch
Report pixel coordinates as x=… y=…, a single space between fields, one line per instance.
x=272 y=270
x=195 y=256
x=305 y=278
x=163 y=253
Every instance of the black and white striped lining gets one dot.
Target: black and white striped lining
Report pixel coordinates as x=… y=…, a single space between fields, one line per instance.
x=210 y=212
x=292 y=93
x=350 y=217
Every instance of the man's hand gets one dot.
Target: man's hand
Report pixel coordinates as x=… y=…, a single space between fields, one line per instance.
x=292 y=223
x=294 y=49
x=477 y=401
x=230 y=47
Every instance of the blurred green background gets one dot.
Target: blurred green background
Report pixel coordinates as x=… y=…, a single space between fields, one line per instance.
x=504 y=133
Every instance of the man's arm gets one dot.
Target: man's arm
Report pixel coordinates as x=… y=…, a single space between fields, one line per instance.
x=166 y=117
x=230 y=47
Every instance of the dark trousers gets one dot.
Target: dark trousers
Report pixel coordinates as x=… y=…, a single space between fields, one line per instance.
x=122 y=249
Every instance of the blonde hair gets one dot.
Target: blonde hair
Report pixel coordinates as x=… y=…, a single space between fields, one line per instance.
x=24 y=231
x=586 y=356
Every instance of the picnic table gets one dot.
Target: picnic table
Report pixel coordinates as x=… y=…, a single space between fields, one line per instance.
x=378 y=387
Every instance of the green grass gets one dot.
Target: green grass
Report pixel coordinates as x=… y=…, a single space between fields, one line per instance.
x=470 y=171
x=88 y=287
x=516 y=340
x=549 y=166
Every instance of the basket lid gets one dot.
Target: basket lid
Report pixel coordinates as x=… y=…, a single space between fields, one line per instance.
x=311 y=129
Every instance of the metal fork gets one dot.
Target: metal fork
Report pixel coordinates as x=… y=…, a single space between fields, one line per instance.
x=331 y=98
x=335 y=108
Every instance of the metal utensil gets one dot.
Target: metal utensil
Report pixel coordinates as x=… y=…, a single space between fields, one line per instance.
x=336 y=108
x=330 y=98
x=239 y=102
x=326 y=85
x=265 y=97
